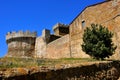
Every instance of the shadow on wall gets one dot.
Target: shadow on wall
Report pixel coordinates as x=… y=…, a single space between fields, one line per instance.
x=101 y=71
x=22 y=39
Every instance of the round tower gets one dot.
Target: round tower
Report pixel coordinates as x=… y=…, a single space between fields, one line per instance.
x=21 y=44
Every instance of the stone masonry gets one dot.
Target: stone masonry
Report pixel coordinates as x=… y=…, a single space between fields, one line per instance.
x=67 y=39
x=53 y=45
x=106 y=14
x=21 y=44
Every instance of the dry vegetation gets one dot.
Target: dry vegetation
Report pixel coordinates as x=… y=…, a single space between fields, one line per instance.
x=32 y=62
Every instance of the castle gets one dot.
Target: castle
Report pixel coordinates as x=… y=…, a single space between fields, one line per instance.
x=67 y=39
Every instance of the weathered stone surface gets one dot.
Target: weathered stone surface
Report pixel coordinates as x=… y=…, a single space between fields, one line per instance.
x=58 y=48
x=21 y=44
x=64 y=45
x=91 y=71
x=40 y=47
x=55 y=45
x=104 y=13
x=61 y=29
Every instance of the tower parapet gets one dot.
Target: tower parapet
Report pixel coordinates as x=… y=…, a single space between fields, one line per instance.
x=21 y=44
x=59 y=25
x=61 y=29
x=14 y=34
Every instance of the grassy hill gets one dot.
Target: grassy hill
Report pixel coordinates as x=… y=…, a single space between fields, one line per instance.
x=10 y=62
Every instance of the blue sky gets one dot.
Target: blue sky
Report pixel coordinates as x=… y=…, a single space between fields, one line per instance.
x=35 y=15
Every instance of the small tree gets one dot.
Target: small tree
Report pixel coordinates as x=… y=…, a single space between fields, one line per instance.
x=97 y=42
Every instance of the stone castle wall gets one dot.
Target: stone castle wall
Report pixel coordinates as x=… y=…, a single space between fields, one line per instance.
x=11 y=35
x=40 y=47
x=21 y=44
x=107 y=14
x=60 y=45
x=59 y=48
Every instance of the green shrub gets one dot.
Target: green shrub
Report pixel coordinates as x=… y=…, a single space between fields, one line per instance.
x=97 y=42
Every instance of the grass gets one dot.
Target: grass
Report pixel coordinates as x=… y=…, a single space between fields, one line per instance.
x=10 y=62
x=16 y=62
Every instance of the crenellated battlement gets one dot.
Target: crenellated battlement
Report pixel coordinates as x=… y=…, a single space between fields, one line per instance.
x=14 y=34
x=61 y=29
x=59 y=25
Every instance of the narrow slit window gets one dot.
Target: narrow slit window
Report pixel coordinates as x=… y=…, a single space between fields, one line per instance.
x=83 y=24
x=114 y=2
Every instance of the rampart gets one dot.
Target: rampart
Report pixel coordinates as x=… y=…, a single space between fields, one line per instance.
x=11 y=35
x=53 y=45
x=59 y=48
x=21 y=44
